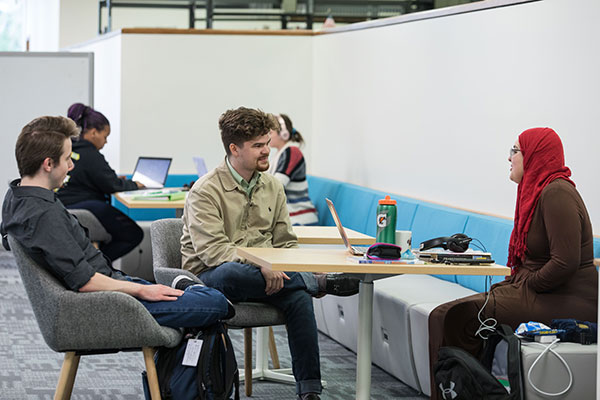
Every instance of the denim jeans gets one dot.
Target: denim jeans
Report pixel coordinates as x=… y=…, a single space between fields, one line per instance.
x=197 y=307
x=243 y=282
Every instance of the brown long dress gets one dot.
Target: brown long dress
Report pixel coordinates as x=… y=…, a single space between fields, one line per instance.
x=557 y=279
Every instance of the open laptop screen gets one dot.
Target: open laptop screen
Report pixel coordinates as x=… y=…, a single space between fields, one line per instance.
x=338 y=223
x=200 y=166
x=152 y=171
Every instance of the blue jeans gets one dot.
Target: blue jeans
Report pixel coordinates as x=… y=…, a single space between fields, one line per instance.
x=197 y=307
x=243 y=282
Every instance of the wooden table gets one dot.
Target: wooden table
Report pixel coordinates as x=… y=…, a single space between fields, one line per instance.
x=128 y=202
x=306 y=234
x=330 y=260
x=329 y=235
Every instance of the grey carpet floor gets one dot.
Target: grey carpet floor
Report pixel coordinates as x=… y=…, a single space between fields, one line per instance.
x=29 y=369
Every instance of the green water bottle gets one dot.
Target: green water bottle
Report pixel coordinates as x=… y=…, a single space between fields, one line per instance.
x=386 y=221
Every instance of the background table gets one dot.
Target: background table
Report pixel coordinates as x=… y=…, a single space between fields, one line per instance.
x=306 y=234
x=128 y=201
x=329 y=235
x=331 y=260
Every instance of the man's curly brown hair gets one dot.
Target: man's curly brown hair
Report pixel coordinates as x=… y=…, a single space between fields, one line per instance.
x=243 y=124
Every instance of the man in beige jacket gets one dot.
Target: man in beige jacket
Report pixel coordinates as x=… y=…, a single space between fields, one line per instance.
x=236 y=205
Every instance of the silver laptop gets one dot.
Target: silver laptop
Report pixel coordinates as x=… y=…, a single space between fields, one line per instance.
x=152 y=171
x=200 y=166
x=354 y=250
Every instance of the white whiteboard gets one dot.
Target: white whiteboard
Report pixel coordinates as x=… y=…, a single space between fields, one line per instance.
x=36 y=84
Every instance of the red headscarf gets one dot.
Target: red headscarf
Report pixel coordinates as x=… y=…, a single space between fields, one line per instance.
x=543 y=162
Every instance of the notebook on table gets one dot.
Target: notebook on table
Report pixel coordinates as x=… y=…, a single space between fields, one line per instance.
x=354 y=250
x=152 y=171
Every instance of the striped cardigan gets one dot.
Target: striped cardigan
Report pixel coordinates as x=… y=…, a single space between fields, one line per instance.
x=289 y=168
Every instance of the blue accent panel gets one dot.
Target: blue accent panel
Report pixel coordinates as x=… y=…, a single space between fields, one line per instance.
x=406 y=211
x=144 y=214
x=432 y=220
x=152 y=214
x=596 y=247
x=318 y=190
x=177 y=180
x=356 y=207
x=494 y=233
x=180 y=179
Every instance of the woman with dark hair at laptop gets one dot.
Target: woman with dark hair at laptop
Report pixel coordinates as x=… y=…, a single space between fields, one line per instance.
x=289 y=168
x=91 y=182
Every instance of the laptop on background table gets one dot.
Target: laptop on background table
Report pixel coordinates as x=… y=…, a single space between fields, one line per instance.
x=152 y=171
x=354 y=250
x=200 y=166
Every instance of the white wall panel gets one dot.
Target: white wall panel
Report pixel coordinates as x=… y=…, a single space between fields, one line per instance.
x=175 y=87
x=107 y=94
x=430 y=108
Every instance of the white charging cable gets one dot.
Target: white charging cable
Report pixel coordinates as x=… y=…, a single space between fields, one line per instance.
x=539 y=357
x=489 y=324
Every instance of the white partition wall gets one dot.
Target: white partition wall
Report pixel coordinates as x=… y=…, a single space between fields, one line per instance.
x=36 y=84
x=430 y=108
x=166 y=91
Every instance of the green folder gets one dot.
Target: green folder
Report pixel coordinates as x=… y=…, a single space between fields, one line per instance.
x=162 y=196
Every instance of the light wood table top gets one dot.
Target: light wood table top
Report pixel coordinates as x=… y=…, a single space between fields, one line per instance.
x=329 y=235
x=334 y=260
x=128 y=201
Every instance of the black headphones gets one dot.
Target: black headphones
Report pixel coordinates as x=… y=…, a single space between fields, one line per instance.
x=458 y=243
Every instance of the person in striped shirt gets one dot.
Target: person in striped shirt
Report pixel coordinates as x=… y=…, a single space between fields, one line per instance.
x=289 y=167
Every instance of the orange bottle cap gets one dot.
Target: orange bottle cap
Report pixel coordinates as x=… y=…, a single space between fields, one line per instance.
x=387 y=201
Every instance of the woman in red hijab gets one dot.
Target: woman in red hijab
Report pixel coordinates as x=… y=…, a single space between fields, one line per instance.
x=550 y=253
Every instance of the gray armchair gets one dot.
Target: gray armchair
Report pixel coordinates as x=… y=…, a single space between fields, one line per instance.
x=96 y=231
x=79 y=324
x=166 y=260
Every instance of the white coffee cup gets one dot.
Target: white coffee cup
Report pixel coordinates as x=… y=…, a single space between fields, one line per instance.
x=404 y=240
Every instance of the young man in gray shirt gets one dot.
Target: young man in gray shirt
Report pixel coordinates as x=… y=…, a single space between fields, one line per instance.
x=33 y=215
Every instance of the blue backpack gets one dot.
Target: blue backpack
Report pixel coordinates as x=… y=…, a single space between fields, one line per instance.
x=216 y=377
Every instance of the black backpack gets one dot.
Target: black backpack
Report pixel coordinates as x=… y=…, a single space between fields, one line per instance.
x=216 y=377
x=576 y=331
x=459 y=375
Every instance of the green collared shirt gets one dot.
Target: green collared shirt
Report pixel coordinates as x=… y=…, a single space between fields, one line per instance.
x=247 y=186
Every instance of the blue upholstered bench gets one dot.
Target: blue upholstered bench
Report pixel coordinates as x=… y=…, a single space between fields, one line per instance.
x=402 y=303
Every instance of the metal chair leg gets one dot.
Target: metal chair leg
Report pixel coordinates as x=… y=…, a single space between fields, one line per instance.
x=248 y=361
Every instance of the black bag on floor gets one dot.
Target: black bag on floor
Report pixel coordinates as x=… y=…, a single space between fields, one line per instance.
x=458 y=375
x=216 y=377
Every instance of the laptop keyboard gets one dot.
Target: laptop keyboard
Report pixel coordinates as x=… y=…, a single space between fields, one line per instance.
x=360 y=249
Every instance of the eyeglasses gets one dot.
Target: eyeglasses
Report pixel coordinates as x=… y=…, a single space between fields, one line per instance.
x=514 y=150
